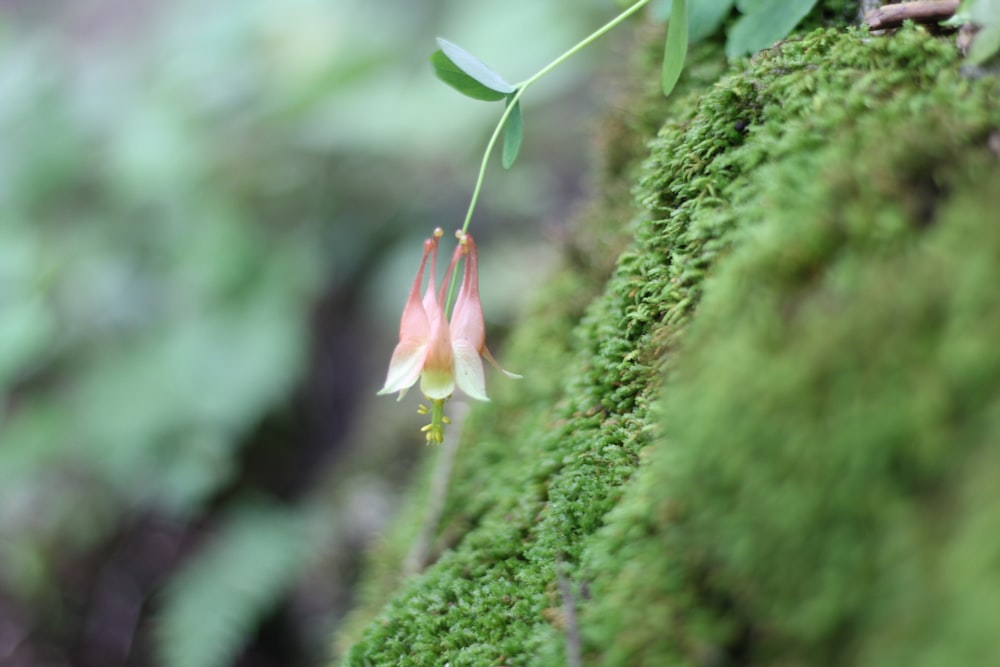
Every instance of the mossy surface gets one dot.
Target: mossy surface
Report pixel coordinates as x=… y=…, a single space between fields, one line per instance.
x=796 y=352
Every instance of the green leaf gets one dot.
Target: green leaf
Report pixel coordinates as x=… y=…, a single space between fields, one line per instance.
x=705 y=17
x=752 y=6
x=467 y=74
x=675 y=48
x=449 y=72
x=764 y=23
x=513 y=132
x=986 y=14
x=985 y=45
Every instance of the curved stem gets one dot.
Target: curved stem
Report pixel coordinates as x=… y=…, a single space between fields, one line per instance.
x=511 y=102
x=590 y=38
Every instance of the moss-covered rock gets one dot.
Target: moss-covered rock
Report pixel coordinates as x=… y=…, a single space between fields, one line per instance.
x=796 y=352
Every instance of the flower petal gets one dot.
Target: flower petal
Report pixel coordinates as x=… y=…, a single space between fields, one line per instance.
x=431 y=244
x=467 y=319
x=404 y=368
x=415 y=323
x=438 y=379
x=469 y=370
x=437 y=384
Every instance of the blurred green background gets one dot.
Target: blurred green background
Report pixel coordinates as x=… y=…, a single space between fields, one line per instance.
x=210 y=214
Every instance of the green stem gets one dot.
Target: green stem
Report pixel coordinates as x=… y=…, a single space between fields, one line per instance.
x=511 y=102
x=593 y=36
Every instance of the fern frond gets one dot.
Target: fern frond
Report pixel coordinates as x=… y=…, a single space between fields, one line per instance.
x=212 y=605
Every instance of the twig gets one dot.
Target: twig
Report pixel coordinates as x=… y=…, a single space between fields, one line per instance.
x=922 y=11
x=419 y=554
x=574 y=654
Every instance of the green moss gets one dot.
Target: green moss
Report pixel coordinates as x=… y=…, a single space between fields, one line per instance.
x=828 y=478
x=814 y=279
x=811 y=416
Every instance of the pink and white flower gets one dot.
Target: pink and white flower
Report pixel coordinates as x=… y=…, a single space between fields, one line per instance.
x=442 y=354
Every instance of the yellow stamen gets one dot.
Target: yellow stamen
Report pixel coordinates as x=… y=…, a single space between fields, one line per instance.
x=435 y=430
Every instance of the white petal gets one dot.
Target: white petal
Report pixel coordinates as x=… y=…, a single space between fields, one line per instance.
x=405 y=366
x=469 y=371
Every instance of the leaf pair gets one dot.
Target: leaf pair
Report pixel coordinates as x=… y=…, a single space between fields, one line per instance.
x=763 y=22
x=473 y=78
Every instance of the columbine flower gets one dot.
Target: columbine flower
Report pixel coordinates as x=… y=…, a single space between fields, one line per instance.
x=440 y=354
x=424 y=348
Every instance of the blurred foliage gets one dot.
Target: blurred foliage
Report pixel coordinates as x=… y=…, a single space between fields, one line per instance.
x=210 y=607
x=183 y=187
x=151 y=308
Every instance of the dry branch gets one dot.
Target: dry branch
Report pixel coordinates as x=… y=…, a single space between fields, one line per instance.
x=923 y=11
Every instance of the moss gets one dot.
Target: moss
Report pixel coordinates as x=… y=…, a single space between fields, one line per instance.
x=809 y=408
x=814 y=281
x=820 y=494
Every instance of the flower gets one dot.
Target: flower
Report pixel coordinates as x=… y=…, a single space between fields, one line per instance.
x=424 y=348
x=440 y=354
